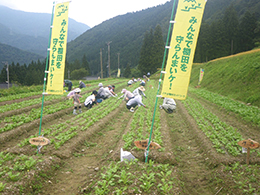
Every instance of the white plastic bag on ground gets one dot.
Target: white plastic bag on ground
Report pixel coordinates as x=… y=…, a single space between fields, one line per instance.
x=125 y=155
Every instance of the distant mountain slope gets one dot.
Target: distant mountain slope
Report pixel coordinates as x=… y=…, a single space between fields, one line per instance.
x=127 y=32
x=30 y=31
x=12 y=54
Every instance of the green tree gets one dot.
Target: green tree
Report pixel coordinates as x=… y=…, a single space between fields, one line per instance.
x=127 y=72
x=151 y=53
x=85 y=64
x=247 y=32
x=158 y=47
x=230 y=28
x=79 y=73
x=145 y=57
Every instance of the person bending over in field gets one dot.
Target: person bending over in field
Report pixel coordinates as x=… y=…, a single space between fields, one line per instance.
x=127 y=95
x=169 y=105
x=139 y=91
x=91 y=100
x=132 y=103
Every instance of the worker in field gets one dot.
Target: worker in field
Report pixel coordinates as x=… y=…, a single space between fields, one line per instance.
x=91 y=100
x=76 y=101
x=108 y=93
x=169 y=105
x=101 y=93
x=130 y=82
x=127 y=95
x=111 y=89
x=81 y=85
x=68 y=83
x=139 y=91
x=134 y=103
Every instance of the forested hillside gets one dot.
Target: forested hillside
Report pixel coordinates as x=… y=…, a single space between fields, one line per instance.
x=228 y=27
x=12 y=54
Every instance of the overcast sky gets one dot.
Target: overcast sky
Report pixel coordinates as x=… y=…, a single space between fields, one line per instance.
x=90 y=12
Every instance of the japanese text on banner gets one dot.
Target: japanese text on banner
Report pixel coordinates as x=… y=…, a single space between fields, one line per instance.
x=182 y=48
x=58 y=48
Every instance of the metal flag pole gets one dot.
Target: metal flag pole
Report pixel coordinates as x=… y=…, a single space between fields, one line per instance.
x=46 y=67
x=165 y=52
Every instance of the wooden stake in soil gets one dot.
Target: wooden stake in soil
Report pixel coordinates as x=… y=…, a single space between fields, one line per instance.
x=248 y=144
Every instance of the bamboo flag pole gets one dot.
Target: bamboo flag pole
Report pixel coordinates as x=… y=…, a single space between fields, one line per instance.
x=165 y=52
x=46 y=67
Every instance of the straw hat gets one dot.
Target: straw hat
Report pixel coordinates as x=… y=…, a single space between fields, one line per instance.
x=77 y=90
x=141 y=88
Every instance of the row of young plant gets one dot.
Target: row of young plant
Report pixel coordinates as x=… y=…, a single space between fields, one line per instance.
x=15 y=167
x=23 y=104
x=58 y=134
x=244 y=177
x=9 y=123
x=248 y=113
x=64 y=131
x=135 y=178
x=141 y=124
x=223 y=136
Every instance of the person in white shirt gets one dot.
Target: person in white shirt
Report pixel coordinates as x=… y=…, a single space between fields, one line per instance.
x=127 y=95
x=132 y=103
x=139 y=91
x=169 y=105
x=107 y=93
x=91 y=100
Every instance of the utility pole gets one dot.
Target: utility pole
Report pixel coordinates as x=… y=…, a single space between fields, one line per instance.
x=7 y=71
x=101 y=63
x=108 y=45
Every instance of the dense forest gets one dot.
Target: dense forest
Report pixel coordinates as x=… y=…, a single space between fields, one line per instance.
x=228 y=27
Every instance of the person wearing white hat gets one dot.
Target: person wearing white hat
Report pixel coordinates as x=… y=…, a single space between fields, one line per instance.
x=127 y=95
x=139 y=91
x=76 y=101
x=101 y=93
x=81 y=85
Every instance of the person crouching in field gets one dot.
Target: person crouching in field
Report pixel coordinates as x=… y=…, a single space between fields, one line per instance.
x=127 y=95
x=169 y=105
x=91 y=100
x=132 y=103
x=76 y=101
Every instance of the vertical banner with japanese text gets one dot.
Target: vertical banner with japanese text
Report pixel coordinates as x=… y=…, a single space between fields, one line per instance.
x=182 y=48
x=58 y=48
x=201 y=75
x=118 y=72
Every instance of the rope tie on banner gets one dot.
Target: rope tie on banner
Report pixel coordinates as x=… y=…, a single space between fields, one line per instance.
x=165 y=51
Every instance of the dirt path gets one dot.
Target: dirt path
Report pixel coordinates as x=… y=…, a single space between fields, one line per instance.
x=193 y=170
x=89 y=157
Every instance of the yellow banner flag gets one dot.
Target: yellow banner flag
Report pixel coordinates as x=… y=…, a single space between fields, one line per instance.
x=201 y=75
x=182 y=48
x=58 y=48
x=118 y=72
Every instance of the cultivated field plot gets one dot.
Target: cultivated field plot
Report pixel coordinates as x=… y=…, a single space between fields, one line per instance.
x=199 y=153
